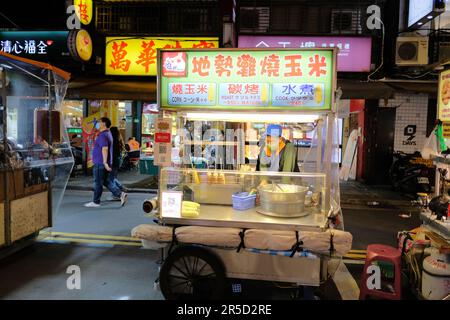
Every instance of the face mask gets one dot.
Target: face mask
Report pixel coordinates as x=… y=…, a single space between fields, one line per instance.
x=97 y=126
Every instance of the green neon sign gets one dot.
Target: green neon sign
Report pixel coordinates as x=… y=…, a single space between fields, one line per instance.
x=289 y=80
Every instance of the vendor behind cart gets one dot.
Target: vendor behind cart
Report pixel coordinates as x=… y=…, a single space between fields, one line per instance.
x=276 y=153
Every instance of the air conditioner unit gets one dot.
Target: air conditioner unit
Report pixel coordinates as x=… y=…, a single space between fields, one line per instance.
x=411 y=51
x=346 y=21
x=255 y=19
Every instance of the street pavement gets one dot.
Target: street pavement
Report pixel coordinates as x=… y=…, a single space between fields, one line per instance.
x=114 y=266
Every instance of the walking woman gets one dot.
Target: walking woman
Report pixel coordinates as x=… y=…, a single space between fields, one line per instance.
x=118 y=146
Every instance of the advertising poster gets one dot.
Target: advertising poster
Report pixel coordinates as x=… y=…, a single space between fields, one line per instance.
x=89 y=135
x=444 y=96
x=292 y=80
x=163 y=142
x=107 y=108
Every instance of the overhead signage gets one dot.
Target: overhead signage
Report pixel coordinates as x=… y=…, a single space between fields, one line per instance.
x=36 y=45
x=84 y=10
x=247 y=79
x=127 y=56
x=354 y=52
x=419 y=9
x=444 y=96
x=80 y=45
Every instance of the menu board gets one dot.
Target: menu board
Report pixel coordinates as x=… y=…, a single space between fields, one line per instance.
x=288 y=79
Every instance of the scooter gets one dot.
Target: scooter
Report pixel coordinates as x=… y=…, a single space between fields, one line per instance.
x=410 y=173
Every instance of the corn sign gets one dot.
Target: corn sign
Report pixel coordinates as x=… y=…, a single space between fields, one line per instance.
x=290 y=79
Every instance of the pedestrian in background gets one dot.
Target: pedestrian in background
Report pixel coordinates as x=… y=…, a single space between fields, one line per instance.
x=118 y=147
x=102 y=156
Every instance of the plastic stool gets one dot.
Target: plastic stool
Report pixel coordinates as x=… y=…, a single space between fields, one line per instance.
x=379 y=252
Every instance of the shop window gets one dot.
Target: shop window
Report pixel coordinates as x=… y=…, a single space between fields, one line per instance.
x=72 y=113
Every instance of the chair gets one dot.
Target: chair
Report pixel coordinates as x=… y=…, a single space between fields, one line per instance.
x=134 y=163
x=382 y=253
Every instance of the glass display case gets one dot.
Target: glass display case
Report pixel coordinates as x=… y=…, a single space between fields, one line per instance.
x=270 y=200
x=35 y=153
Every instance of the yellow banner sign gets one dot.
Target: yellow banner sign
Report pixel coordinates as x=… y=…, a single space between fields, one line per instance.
x=137 y=57
x=446 y=130
x=84 y=10
x=444 y=96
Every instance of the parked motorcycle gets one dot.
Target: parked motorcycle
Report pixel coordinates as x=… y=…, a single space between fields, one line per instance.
x=410 y=173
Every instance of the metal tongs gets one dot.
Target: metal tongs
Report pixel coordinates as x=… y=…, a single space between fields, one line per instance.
x=278 y=186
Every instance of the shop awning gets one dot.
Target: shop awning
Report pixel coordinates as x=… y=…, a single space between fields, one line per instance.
x=385 y=89
x=427 y=87
x=35 y=67
x=356 y=89
x=112 y=89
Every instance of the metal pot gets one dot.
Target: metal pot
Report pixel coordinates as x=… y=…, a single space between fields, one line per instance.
x=282 y=200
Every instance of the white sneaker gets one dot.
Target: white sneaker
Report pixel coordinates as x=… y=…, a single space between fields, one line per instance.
x=123 y=198
x=91 y=205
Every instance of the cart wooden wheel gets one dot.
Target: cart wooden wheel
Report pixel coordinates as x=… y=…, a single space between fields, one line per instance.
x=192 y=273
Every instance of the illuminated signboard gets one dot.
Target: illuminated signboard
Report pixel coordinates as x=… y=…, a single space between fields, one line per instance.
x=37 y=45
x=84 y=10
x=418 y=9
x=137 y=56
x=252 y=79
x=80 y=45
x=444 y=96
x=354 y=52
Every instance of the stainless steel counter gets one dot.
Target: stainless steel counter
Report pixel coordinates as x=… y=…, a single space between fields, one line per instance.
x=225 y=216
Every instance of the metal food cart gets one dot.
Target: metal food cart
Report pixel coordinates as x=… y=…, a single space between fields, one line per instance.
x=35 y=153
x=224 y=93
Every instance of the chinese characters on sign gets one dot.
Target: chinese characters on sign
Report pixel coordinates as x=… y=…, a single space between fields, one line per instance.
x=297 y=79
x=292 y=94
x=354 y=52
x=84 y=10
x=444 y=96
x=137 y=57
x=31 y=47
x=201 y=94
x=243 y=94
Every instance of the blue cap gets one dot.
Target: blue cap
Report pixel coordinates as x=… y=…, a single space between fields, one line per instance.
x=274 y=130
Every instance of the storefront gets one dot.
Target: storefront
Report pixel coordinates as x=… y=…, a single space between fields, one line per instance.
x=127 y=93
x=354 y=56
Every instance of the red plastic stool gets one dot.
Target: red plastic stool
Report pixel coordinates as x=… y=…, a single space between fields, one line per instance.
x=379 y=252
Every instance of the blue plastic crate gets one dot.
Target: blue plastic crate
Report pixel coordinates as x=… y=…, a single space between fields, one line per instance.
x=243 y=201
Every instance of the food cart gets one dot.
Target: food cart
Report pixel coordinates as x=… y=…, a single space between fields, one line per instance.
x=35 y=153
x=229 y=220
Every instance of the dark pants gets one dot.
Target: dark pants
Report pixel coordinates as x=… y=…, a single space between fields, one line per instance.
x=103 y=178
x=113 y=177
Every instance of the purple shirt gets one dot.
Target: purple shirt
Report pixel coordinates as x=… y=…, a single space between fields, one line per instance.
x=104 y=139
